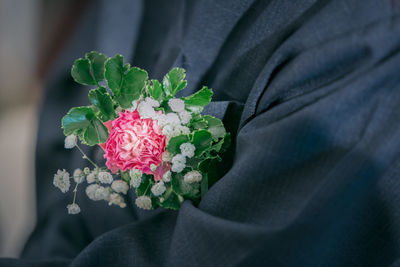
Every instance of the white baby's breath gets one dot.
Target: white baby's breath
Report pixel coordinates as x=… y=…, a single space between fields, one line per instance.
x=167 y=176
x=143 y=202
x=86 y=170
x=185 y=116
x=158 y=189
x=192 y=177
x=70 y=141
x=79 y=176
x=117 y=199
x=105 y=177
x=91 y=177
x=146 y=110
x=176 y=104
x=120 y=186
x=187 y=149
x=178 y=163
x=73 y=208
x=61 y=180
x=173 y=119
x=96 y=192
x=136 y=177
x=166 y=156
x=152 y=102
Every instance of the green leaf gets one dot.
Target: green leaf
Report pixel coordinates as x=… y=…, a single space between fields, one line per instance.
x=175 y=142
x=155 y=90
x=102 y=100
x=145 y=186
x=201 y=140
x=97 y=64
x=114 y=73
x=96 y=133
x=76 y=119
x=198 y=122
x=172 y=202
x=83 y=122
x=81 y=72
x=215 y=126
x=204 y=185
x=132 y=87
x=198 y=100
x=174 y=81
x=180 y=187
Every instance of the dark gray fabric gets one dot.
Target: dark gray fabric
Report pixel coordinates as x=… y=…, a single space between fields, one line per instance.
x=310 y=91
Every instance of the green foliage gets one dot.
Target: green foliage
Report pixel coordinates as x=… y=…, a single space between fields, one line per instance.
x=180 y=187
x=83 y=122
x=215 y=126
x=103 y=102
x=145 y=186
x=174 y=81
x=97 y=65
x=132 y=86
x=175 y=142
x=198 y=100
x=114 y=73
x=201 y=140
x=155 y=90
x=89 y=70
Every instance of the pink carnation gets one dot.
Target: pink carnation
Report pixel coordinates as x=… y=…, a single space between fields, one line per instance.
x=133 y=143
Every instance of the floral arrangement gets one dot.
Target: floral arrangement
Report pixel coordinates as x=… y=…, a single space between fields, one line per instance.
x=157 y=144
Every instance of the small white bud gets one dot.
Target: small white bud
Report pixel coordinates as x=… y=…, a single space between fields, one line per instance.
x=143 y=202
x=86 y=170
x=153 y=167
x=96 y=192
x=61 y=180
x=158 y=189
x=187 y=149
x=173 y=119
x=178 y=163
x=120 y=186
x=105 y=177
x=152 y=102
x=73 y=208
x=192 y=177
x=177 y=105
x=70 y=141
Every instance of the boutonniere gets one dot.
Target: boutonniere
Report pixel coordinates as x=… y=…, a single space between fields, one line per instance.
x=154 y=143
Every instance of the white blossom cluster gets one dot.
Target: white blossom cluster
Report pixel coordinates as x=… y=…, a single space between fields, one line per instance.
x=192 y=177
x=173 y=123
x=179 y=160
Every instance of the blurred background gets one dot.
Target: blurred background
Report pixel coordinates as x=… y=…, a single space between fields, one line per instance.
x=32 y=33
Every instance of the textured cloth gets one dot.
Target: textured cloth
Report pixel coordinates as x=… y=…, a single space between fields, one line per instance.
x=310 y=91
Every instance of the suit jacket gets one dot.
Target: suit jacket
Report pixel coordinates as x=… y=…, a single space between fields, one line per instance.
x=310 y=91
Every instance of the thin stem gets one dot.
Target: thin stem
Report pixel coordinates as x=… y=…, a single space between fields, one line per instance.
x=86 y=157
x=75 y=190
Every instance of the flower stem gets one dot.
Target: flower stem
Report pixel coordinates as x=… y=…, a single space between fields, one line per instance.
x=85 y=156
x=75 y=190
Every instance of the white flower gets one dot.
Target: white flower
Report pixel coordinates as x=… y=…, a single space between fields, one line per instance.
x=143 y=202
x=120 y=186
x=73 y=208
x=91 y=177
x=61 y=180
x=173 y=119
x=185 y=116
x=117 y=199
x=152 y=102
x=96 y=192
x=178 y=163
x=167 y=177
x=146 y=110
x=70 y=141
x=176 y=104
x=79 y=176
x=136 y=177
x=182 y=130
x=105 y=177
x=158 y=189
x=161 y=119
x=187 y=149
x=166 y=156
x=168 y=130
x=192 y=177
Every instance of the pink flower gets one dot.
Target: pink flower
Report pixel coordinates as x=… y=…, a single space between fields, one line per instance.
x=133 y=143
